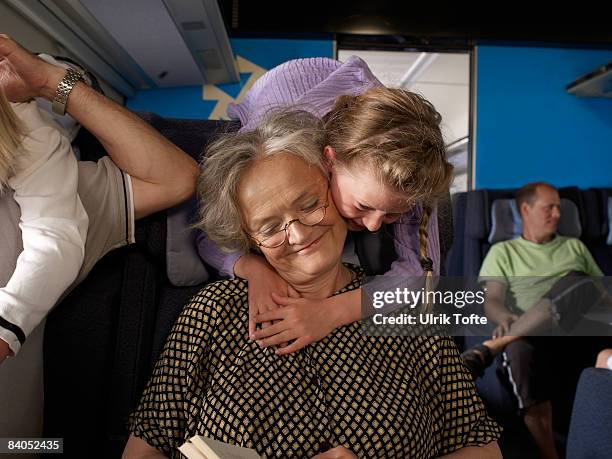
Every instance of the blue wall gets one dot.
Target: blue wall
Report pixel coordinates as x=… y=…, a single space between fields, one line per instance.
x=182 y=102
x=529 y=128
x=186 y=102
x=269 y=53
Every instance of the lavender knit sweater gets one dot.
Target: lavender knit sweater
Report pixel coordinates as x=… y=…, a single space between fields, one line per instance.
x=314 y=84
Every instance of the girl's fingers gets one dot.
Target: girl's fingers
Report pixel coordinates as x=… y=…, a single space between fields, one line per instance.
x=293 y=347
x=277 y=339
x=272 y=330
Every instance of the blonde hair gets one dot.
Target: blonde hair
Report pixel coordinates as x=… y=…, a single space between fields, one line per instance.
x=397 y=133
x=289 y=131
x=10 y=139
x=426 y=262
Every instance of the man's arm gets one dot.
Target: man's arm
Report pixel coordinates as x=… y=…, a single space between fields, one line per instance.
x=495 y=297
x=162 y=174
x=495 y=308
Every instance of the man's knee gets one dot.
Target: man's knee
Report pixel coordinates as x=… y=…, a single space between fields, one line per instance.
x=526 y=359
x=520 y=348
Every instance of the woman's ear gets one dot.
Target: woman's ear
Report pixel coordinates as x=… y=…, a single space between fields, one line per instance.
x=329 y=157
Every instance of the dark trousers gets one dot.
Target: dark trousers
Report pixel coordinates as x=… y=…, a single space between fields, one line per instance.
x=527 y=366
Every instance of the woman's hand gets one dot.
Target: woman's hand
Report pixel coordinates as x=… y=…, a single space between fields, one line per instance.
x=339 y=452
x=299 y=320
x=263 y=282
x=23 y=75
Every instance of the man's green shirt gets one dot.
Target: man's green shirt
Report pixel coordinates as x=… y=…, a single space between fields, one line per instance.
x=529 y=270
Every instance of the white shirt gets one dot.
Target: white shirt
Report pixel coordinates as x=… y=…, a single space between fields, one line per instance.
x=53 y=224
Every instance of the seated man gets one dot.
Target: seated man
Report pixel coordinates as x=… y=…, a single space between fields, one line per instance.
x=533 y=282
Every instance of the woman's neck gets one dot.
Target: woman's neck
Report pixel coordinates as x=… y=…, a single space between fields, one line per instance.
x=323 y=285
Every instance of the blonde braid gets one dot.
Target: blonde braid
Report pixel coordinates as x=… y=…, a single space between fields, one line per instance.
x=426 y=262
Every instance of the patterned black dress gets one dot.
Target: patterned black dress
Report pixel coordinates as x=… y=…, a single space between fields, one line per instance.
x=391 y=397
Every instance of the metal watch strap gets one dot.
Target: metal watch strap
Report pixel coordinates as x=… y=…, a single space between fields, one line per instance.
x=64 y=88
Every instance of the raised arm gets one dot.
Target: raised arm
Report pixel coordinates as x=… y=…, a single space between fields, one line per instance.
x=162 y=174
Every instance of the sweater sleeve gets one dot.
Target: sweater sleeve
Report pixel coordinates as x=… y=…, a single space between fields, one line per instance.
x=311 y=84
x=211 y=253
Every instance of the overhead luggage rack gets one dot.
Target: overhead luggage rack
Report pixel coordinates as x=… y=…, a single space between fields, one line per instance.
x=597 y=83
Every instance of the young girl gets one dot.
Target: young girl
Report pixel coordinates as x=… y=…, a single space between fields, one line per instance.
x=386 y=159
x=38 y=167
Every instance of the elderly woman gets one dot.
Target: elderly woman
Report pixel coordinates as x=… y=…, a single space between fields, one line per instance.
x=348 y=395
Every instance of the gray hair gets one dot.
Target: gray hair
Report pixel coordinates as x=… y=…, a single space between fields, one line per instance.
x=289 y=131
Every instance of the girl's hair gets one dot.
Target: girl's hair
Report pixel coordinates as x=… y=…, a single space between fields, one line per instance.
x=10 y=139
x=426 y=262
x=284 y=131
x=396 y=133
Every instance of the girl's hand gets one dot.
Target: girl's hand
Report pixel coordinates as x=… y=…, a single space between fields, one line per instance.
x=298 y=319
x=263 y=282
x=339 y=452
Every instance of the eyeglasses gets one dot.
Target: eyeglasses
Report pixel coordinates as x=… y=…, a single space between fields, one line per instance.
x=275 y=238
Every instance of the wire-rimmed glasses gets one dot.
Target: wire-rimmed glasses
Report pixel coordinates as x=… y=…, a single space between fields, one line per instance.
x=276 y=238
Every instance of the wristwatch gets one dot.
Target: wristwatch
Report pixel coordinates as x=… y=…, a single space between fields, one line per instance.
x=64 y=88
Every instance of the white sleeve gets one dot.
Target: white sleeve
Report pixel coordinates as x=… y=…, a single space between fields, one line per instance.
x=53 y=226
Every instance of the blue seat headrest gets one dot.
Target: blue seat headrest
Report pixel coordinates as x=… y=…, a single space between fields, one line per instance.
x=184 y=266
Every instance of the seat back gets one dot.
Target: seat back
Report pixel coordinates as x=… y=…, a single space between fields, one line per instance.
x=590 y=433
x=473 y=219
x=596 y=234
x=101 y=342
